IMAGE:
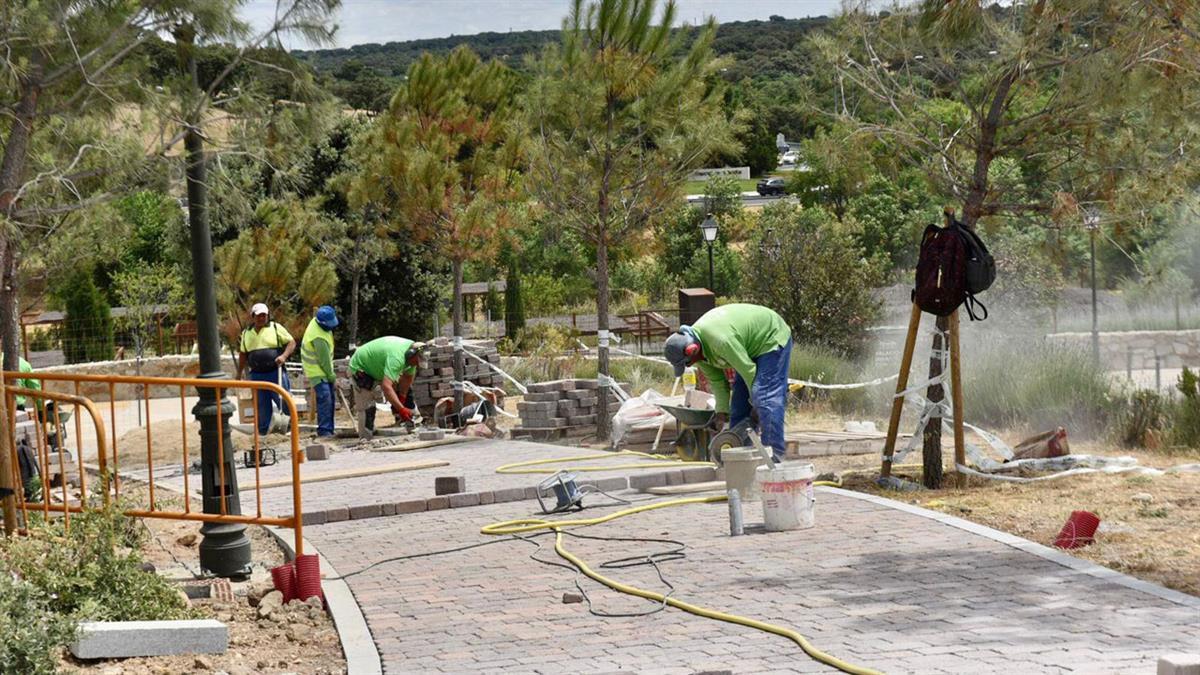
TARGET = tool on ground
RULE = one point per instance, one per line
(565, 491)
(266, 457)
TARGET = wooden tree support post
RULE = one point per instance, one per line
(956, 394)
(910, 343)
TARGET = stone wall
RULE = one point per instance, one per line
(184, 365)
(1138, 349)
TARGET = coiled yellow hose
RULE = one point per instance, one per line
(530, 524)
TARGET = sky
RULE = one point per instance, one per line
(363, 21)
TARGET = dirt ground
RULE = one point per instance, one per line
(296, 638)
(1150, 525)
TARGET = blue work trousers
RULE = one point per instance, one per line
(269, 400)
(324, 396)
(767, 396)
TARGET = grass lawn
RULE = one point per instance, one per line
(696, 187)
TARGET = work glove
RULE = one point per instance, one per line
(403, 414)
(717, 422)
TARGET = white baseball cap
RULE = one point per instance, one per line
(259, 308)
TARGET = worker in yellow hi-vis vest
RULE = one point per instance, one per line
(316, 353)
(265, 347)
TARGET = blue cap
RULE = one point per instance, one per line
(326, 317)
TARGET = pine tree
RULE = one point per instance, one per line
(622, 114)
(514, 304)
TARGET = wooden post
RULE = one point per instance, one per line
(956, 394)
(9, 476)
(931, 446)
(910, 343)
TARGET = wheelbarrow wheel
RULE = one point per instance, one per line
(688, 447)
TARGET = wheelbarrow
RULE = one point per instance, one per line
(696, 442)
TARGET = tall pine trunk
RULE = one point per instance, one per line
(355, 279)
(457, 317)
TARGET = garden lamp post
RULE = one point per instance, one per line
(709, 228)
(224, 547)
(1091, 221)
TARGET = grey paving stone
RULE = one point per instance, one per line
(124, 639)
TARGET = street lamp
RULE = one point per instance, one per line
(1091, 221)
(709, 228)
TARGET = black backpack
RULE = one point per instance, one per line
(941, 284)
(981, 269)
(952, 267)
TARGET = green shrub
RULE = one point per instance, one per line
(87, 321)
(93, 571)
(1141, 414)
(801, 264)
(1036, 385)
(32, 633)
(1185, 427)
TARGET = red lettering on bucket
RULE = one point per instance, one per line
(787, 486)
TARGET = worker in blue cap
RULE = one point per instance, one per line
(316, 354)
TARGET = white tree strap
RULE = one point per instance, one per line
(457, 341)
(475, 389)
(520, 387)
(850, 385)
(606, 381)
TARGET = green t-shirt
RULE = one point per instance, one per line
(732, 336)
(383, 358)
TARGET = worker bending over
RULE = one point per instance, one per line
(316, 354)
(757, 344)
(265, 347)
(391, 362)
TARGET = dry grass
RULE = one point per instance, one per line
(1158, 540)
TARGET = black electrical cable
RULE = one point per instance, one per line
(428, 554)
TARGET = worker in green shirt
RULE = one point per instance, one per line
(316, 354)
(28, 383)
(757, 344)
(390, 362)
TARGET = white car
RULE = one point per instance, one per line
(789, 157)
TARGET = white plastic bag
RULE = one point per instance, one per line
(637, 413)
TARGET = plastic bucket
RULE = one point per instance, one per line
(284, 578)
(1079, 530)
(308, 576)
(787, 497)
(740, 464)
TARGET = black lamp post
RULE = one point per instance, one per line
(709, 228)
(224, 547)
(1091, 221)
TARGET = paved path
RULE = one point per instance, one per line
(873, 584)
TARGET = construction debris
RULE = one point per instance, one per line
(1043, 446)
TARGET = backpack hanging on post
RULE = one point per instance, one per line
(981, 268)
(953, 265)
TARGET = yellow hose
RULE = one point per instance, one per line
(529, 524)
(660, 462)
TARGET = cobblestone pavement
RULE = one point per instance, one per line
(870, 584)
(475, 460)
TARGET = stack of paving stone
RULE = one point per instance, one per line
(561, 408)
(436, 380)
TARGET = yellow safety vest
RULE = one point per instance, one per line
(308, 352)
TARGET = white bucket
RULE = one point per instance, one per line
(740, 464)
(787, 496)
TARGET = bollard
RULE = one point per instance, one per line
(1157, 374)
(736, 528)
(1129, 364)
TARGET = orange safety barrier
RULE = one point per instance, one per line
(109, 458)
